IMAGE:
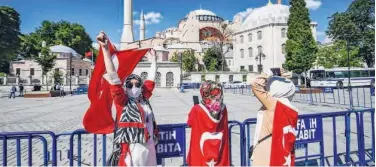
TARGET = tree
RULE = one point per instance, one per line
(336, 56)
(46, 60)
(301, 47)
(57, 76)
(222, 42)
(54, 33)
(356, 27)
(211, 59)
(9, 32)
(189, 60)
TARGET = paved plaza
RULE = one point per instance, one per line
(65, 115)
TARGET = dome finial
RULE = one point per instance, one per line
(270, 3)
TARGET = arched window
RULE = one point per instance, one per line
(250, 37)
(158, 79)
(283, 48)
(144, 76)
(169, 79)
(229, 62)
(259, 35)
(241, 53)
(283, 32)
(259, 49)
(241, 39)
(250, 52)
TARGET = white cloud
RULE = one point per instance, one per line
(151, 18)
(320, 33)
(135, 13)
(245, 13)
(313, 4)
(118, 30)
(326, 40)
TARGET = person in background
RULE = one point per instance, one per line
(13, 91)
(62, 90)
(21, 87)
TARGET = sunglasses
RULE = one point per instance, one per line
(129, 85)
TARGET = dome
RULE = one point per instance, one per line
(201, 12)
(271, 13)
(62, 49)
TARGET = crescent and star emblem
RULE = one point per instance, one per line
(286, 130)
(210, 136)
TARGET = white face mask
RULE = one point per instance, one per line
(134, 92)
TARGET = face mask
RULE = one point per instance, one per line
(213, 105)
(134, 92)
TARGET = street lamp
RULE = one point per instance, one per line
(258, 58)
(349, 77)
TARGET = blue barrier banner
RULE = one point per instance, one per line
(309, 130)
(171, 142)
(297, 89)
(328, 90)
(372, 91)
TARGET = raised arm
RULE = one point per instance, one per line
(153, 67)
(258, 88)
(116, 89)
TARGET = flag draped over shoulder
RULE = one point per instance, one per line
(98, 118)
(283, 139)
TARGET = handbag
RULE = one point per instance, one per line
(250, 153)
(113, 159)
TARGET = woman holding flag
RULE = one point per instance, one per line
(134, 127)
(274, 138)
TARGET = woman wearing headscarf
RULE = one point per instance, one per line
(136, 132)
(209, 122)
(274, 134)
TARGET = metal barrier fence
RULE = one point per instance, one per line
(363, 97)
(347, 139)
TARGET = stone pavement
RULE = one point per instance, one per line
(65, 115)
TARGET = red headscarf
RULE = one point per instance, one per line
(98, 118)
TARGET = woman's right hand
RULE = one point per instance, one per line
(102, 39)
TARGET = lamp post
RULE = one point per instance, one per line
(70, 73)
(181, 68)
(258, 58)
(349, 77)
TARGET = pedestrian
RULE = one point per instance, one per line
(209, 128)
(274, 138)
(13, 91)
(21, 87)
(62, 91)
(135, 129)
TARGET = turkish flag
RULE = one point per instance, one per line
(283, 139)
(209, 138)
(88, 54)
(98, 118)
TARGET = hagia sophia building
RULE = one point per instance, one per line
(258, 40)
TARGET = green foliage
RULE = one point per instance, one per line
(9, 32)
(301, 47)
(2, 74)
(54, 33)
(357, 27)
(46, 60)
(212, 59)
(189, 60)
(58, 76)
(336, 56)
(175, 58)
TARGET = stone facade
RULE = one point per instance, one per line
(227, 77)
(30, 70)
(168, 73)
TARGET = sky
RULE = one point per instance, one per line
(107, 15)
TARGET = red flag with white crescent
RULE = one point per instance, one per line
(284, 136)
(209, 138)
(98, 118)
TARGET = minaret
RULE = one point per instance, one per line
(142, 26)
(127, 35)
